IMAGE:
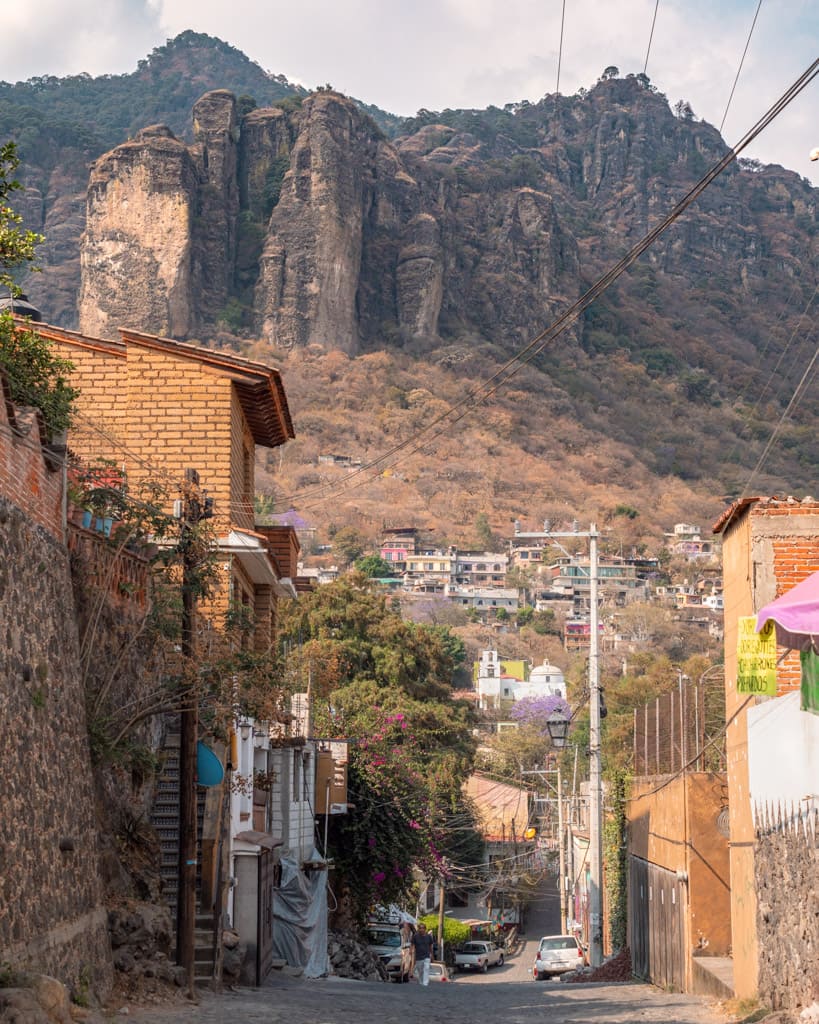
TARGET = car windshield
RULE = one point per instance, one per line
(383, 937)
(475, 947)
(559, 942)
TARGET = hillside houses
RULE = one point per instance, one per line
(535, 574)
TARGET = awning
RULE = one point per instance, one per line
(795, 615)
(251, 550)
(259, 838)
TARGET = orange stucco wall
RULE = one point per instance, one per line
(767, 548)
(672, 823)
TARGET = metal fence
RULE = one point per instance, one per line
(682, 730)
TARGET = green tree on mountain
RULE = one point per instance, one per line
(16, 244)
(36, 377)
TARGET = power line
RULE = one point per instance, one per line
(774, 371)
(560, 51)
(798, 393)
(739, 69)
(478, 394)
(651, 35)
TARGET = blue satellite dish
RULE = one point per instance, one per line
(209, 770)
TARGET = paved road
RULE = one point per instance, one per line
(285, 1000)
(505, 995)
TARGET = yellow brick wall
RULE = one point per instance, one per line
(158, 415)
(100, 374)
(179, 419)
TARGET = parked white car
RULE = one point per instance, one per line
(438, 972)
(557, 954)
(478, 956)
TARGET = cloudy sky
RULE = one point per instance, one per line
(406, 54)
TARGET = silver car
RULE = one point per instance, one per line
(557, 954)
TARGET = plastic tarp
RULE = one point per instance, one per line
(300, 919)
(795, 615)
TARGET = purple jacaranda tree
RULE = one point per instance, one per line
(535, 711)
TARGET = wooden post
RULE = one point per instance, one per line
(189, 729)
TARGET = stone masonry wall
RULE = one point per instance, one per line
(28, 474)
(52, 917)
(787, 866)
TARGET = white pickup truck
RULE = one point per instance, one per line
(478, 956)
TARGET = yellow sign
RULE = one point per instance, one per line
(756, 658)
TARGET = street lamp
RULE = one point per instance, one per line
(595, 779)
(558, 726)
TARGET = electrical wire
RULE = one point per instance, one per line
(651, 34)
(774, 373)
(560, 51)
(798, 394)
(739, 69)
(479, 394)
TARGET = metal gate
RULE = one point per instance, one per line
(656, 925)
(264, 939)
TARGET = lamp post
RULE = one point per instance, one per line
(595, 785)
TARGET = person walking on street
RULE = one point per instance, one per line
(422, 944)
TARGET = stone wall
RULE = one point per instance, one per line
(52, 917)
(30, 473)
(787, 869)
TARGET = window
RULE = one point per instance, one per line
(247, 478)
(305, 777)
(296, 766)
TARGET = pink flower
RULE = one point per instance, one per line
(414, 824)
(379, 877)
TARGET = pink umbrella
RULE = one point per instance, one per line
(795, 615)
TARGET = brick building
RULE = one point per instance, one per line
(768, 546)
(159, 408)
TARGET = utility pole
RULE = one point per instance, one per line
(441, 903)
(190, 514)
(595, 781)
(561, 839)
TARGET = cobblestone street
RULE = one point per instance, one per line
(465, 1001)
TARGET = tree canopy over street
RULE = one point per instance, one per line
(385, 685)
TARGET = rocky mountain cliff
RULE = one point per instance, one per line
(455, 241)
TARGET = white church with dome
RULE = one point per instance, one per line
(506, 680)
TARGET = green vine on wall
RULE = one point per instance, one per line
(615, 858)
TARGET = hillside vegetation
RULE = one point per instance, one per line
(476, 229)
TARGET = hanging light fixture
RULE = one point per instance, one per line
(558, 726)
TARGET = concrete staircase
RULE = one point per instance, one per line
(204, 951)
(165, 820)
(713, 976)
